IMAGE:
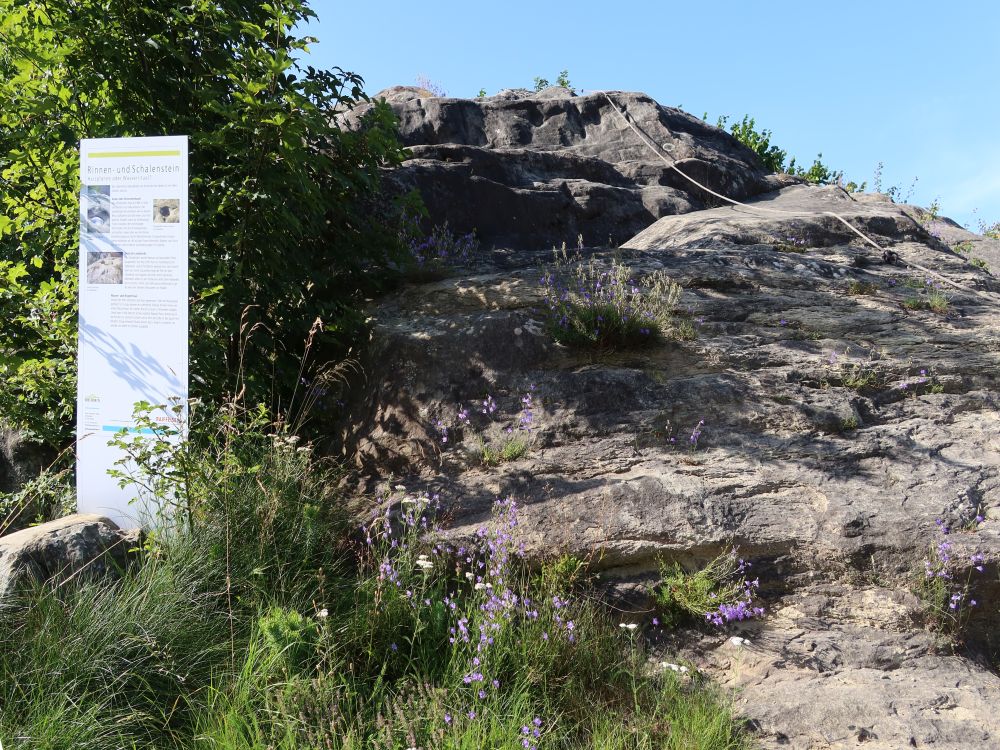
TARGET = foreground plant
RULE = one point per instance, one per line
(497, 439)
(719, 593)
(946, 586)
(265, 620)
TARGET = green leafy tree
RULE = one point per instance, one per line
(286, 219)
(772, 157)
(561, 80)
(758, 141)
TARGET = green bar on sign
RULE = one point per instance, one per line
(115, 154)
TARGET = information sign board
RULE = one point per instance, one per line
(133, 324)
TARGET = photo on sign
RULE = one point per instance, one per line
(97, 208)
(166, 211)
(105, 268)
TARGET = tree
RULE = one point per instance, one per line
(772, 157)
(285, 208)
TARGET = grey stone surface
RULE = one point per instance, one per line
(77, 545)
(528, 169)
(840, 423)
(21, 460)
(838, 667)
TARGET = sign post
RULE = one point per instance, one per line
(133, 305)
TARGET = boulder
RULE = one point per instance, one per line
(535, 169)
(77, 545)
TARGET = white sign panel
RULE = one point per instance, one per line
(133, 304)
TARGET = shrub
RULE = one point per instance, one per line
(290, 639)
(773, 158)
(285, 220)
(718, 593)
(596, 306)
(50, 495)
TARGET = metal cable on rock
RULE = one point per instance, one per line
(764, 209)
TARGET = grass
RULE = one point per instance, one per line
(929, 296)
(509, 448)
(849, 424)
(859, 288)
(865, 377)
(267, 619)
(603, 307)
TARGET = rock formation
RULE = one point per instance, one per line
(77, 545)
(547, 168)
(843, 415)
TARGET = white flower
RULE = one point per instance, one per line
(323, 613)
(479, 586)
(400, 488)
(469, 576)
(739, 642)
(630, 626)
(425, 564)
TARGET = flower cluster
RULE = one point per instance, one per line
(740, 607)
(696, 434)
(441, 248)
(920, 380)
(793, 244)
(498, 439)
(948, 578)
(593, 305)
(492, 611)
(478, 584)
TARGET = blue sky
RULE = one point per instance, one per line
(912, 85)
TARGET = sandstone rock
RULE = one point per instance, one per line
(21, 460)
(527, 169)
(76, 545)
(837, 668)
(841, 419)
